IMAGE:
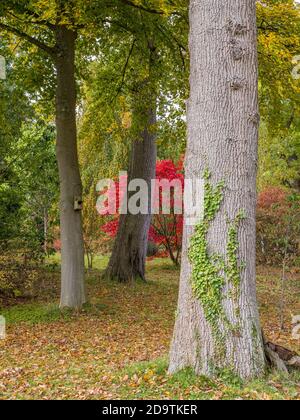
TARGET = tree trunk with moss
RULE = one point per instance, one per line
(217, 323)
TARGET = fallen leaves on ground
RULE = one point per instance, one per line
(87, 356)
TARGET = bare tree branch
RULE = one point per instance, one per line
(33, 15)
(50, 50)
(124, 71)
(151, 10)
(143, 8)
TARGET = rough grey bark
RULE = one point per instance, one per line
(129, 254)
(72, 245)
(223, 122)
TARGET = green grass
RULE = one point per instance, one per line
(39, 313)
(100, 261)
(150, 380)
(35, 313)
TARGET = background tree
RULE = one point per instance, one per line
(130, 248)
(129, 253)
(34, 180)
(52, 30)
(14, 108)
(278, 43)
(151, 58)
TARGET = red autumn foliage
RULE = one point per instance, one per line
(166, 229)
(271, 197)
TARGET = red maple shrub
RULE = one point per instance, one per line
(166, 229)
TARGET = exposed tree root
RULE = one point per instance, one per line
(281, 359)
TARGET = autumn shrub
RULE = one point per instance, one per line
(165, 234)
(18, 278)
(278, 227)
(166, 229)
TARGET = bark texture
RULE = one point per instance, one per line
(72, 245)
(129, 254)
(223, 122)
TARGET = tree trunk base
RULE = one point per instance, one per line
(282, 359)
(116, 273)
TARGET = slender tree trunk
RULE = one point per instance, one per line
(72, 281)
(217, 325)
(130, 249)
(45, 232)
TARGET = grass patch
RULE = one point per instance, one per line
(38, 313)
(35, 313)
(99, 263)
(151, 381)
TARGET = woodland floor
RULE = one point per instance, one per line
(117, 348)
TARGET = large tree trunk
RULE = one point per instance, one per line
(72, 276)
(128, 258)
(217, 324)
